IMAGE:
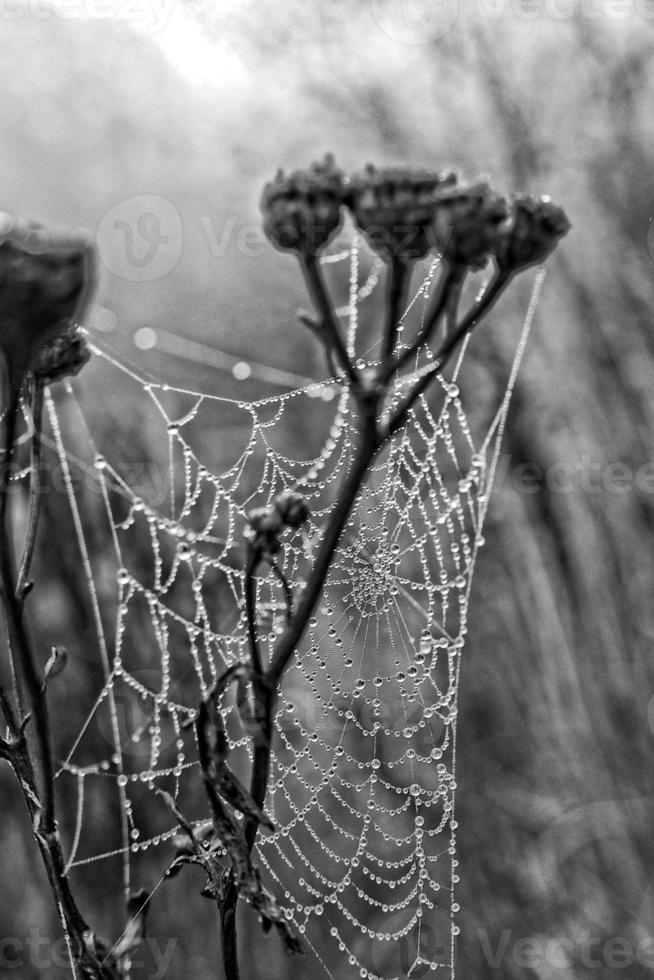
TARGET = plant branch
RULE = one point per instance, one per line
(19, 644)
(265, 687)
(77, 934)
(8, 712)
(38, 799)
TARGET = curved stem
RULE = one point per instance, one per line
(288, 595)
(329, 327)
(39, 799)
(399, 275)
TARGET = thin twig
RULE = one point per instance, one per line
(398, 276)
(36, 481)
(38, 799)
(286, 587)
(493, 291)
(452, 309)
(251, 609)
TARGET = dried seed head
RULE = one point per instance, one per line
(265, 527)
(534, 231)
(265, 520)
(302, 211)
(62, 357)
(466, 223)
(45, 280)
(394, 207)
(292, 508)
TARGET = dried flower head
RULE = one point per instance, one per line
(302, 211)
(466, 223)
(394, 208)
(292, 508)
(62, 357)
(45, 281)
(535, 228)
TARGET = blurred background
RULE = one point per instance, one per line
(183, 112)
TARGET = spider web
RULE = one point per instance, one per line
(363, 781)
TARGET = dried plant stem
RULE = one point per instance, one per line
(36, 480)
(396, 292)
(38, 790)
(19, 645)
(289, 639)
(329, 329)
(250, 611)
(448, 283)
